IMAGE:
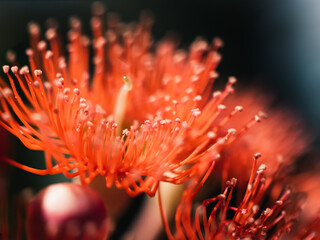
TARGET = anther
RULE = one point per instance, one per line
(194, 79)
(163, 122)
(50, 33)
(197, 98)
(244, 211)
(196, 112)
(126, 132)
(221, 197)
(89, 124)
(36, 117)
(213, 74)
(216, 94)
(211, 135)
(74, 81)
(257, 156)
(75, 23)
(48, 55)
(6, 116)
(184, 124)
(267, 211)
(85, 41)
(262, 167)
(255, 208)
(222, 141)
(7, 92)
(217, 42)
(5, 68)
(232, 131)
(36, 84)
(262, 114)
(48, 86)
(24, 70)
(76, 91)
(62, 62)
(42, 45)
(37, 73)
(221, 107)
(232, 80)
(33, 28)
(189, 90)
(233, 182)
(29, 52)
(66, 91)
(239, 108)
(14, 69)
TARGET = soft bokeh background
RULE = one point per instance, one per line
(272, 44)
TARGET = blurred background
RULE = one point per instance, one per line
(272, 44)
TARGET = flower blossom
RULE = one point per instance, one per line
(141, 117)
(217, 218)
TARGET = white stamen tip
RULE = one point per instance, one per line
(37, 72)
(5, 68)
(14, 69)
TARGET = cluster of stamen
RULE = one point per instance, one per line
(246, 220)
(161, 124)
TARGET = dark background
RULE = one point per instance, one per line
(273, 44)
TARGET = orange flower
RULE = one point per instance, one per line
(247, 220)
(142, 117)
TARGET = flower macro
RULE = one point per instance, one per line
(216, 218)
(141, 113)
(141, 117)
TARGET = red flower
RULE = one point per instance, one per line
(216, 218)
(141, 118)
